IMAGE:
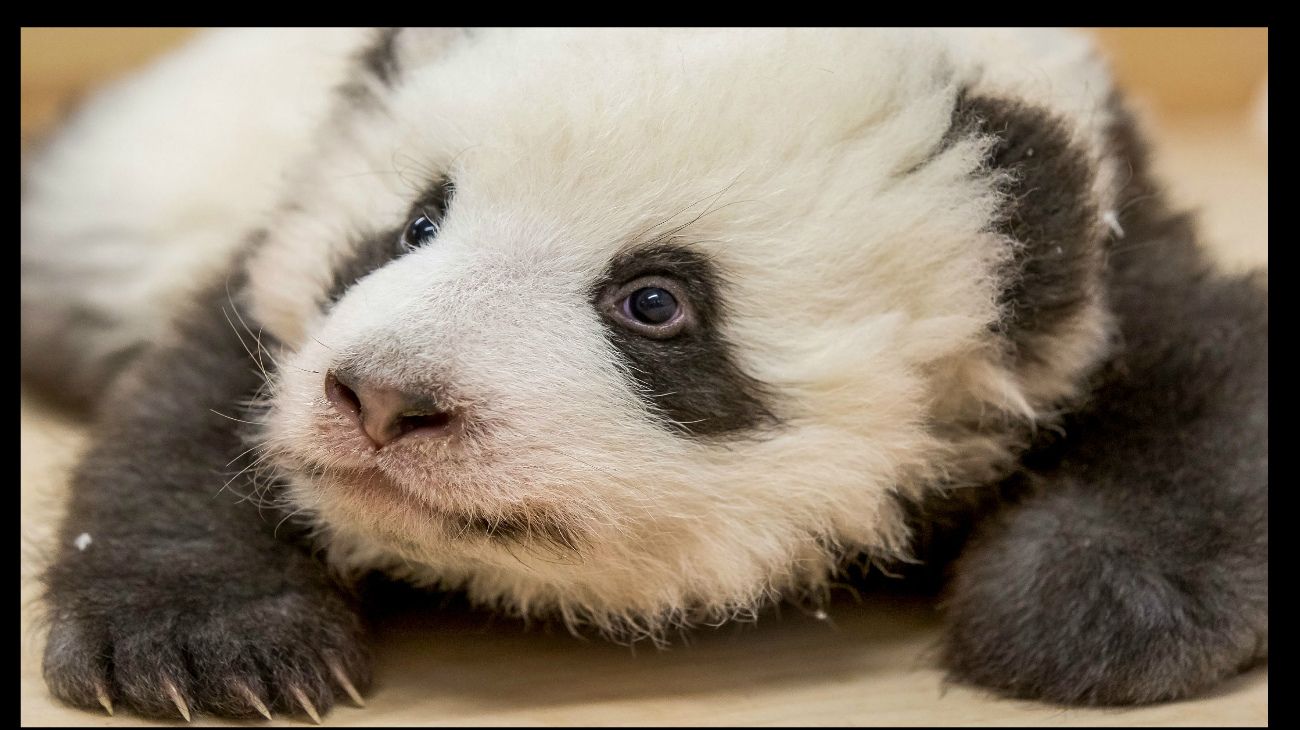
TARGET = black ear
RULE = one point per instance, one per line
(394, 49)
(391, 52)
(1051, 213)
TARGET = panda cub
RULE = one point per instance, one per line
(637, 330)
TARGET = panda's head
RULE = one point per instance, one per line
(645, 327)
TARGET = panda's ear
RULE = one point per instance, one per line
(393, 50)
(1051, 217)
(389, 55)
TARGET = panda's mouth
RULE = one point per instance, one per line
(519, 529)
(527, 524)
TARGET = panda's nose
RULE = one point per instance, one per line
(384, 413)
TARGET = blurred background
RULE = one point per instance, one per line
(1203, 92)
(1178, 70)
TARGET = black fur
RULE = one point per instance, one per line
(185, 581)
(380, 58)
(1135, 568)
(66, 376)
(1056, 268)
(55, 359)
(369, 253)
(373, 251)
(377, 61)
(1050, 214)
(691, 382)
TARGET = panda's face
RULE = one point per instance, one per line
(633, 327)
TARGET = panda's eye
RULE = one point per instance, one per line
(426, 215)
(419, 231)
(654, 306)
(651, 305)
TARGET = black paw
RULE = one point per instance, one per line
(1058, 601)
(295, 652)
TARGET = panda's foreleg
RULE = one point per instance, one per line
(1137, 569)
(1070, 598)
(171, 591)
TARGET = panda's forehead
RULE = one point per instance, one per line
(639, 122)
(566, 155)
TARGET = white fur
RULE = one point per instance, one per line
(165, 171)
(861, 284)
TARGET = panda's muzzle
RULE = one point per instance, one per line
(385, 414)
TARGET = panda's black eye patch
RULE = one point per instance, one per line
(374, 249)
(663, 310)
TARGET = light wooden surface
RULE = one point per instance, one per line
(871, 664)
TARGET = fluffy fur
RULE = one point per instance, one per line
(900, 250)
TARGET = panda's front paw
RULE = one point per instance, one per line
(1060, 600)
(293, 652)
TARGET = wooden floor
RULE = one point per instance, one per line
(871, 663)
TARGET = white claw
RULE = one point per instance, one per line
(102, 695)
(346, 684)
(1112, 221)
(255, 701)
(180, 701)
(306, 704)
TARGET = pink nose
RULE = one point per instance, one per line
(385, 414)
